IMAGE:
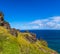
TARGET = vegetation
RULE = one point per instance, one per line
(20, 45)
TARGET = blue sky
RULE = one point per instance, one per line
(32, 14)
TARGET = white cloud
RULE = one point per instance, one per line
(48, 23)
(56, 19)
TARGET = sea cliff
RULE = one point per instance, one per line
(12, 41)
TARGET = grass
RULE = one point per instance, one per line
(20, 45)
(8, 46)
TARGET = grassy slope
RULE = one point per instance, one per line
(8, 44)
(20, 45)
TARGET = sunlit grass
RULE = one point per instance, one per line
(20, 45)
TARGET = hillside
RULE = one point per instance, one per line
(12, 41)
(20, 45)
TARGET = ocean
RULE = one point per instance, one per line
(51, 36)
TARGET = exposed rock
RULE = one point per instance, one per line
(1, 19)
(13, 31)
(31, 38)
(3, 22)
(6, 25)
(33, 35)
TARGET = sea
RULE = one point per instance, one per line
(51, 36)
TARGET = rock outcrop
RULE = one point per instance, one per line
(31, 38)
(6, 25)
(14, 31)
(3, 22)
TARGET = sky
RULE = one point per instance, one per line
(32, 14)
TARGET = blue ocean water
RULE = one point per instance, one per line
(51, 36)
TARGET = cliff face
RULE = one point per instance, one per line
(12, 41)
(3, 22)
(6, 25)
(13, 31)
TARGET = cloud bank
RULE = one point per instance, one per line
(48, 23)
